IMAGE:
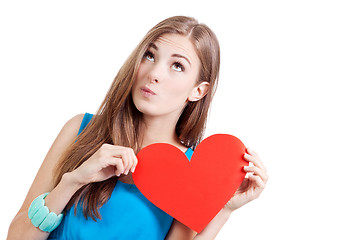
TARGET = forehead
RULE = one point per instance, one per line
(177, 44)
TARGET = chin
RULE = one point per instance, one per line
(145, 107)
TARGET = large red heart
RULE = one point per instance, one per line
(191, 192)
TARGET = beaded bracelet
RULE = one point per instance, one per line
(40, 215)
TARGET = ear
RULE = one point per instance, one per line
(198, 92)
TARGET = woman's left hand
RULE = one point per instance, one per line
(252, 186)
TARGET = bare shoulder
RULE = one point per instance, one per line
(73, 124)
(43, 181)
(67, 134)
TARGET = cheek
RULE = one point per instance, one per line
(179, 89)
(140, 73)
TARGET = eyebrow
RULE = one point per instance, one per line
(152, 45)
(181, 56)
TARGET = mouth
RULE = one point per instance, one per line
(146, 91)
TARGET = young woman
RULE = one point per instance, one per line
(161, 94)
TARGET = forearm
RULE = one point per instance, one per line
(22, 228)
(62, 193)
(213, 228)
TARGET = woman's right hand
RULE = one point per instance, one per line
(108, 161)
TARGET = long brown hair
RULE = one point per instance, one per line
(117, 121)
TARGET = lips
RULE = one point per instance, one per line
(147, 90)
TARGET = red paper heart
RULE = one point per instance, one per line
(191, 192)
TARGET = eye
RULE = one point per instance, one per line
(177, 66)
(149, 56)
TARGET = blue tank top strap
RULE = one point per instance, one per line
(86, 119)
(189, 152)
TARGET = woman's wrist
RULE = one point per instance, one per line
(72, 180)
(226, 212)
(62, 193)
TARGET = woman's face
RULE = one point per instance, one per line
(167, 77)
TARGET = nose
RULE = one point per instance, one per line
(154, 75)
(154, 80)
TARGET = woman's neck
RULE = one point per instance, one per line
(160, 130)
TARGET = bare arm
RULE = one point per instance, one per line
(108, 161)
(21, 227)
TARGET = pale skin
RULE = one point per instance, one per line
(169, 69)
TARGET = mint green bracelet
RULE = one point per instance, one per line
(40, 215)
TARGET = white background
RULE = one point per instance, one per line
(288, 89)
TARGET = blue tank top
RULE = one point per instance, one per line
(126, 215)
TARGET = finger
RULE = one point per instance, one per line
(252, 152)
(258, 181)
(132, 161)
(118, 163)
(255, 160)
(135, 162)
(127, 154)
(126, 161)
(256, 171)
(117, 151)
